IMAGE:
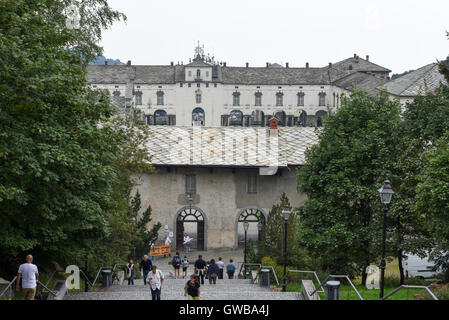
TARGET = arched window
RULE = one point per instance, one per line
(198, 118)
(301, 99)
(236, 99)
(280, 115)
(320, 117)
(322, 99)
(279, 99)
(198, 96)
(138, 98)
(257, 118)
(160, 98)
(236, 118)
(160, 118)
(198, 73)
(258, 102)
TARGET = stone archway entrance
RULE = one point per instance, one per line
(191, 220)
(253, 215)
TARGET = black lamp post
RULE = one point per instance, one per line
(386, 193)
(286, 213)
(245, 227)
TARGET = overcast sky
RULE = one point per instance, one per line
(398, 34)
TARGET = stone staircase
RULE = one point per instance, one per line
(173, 289)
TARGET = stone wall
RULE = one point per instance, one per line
(221, 195)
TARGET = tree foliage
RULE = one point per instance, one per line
(66, 160)
(340, 220)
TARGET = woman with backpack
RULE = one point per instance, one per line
(212, 272)
(176, 262)
(131, 272)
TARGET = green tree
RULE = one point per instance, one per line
(433, 200)
(272, 239)
(144, 236)
(340, 220)
(66, 160)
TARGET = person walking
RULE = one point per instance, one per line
(168, 243)
(230, 269)
(131, 272)
(192, 288)
(212, 272)
(200, 268)
(145, 267)
(185, 265)
(221, 266)
(155, 281)
(29, 275)
(176, 262)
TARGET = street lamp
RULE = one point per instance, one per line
(386, 193)
(245, 227)
(286, 214)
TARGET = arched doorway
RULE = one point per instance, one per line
(193, 221)
(253, 215)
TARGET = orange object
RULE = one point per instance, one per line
(274, 123)
(160, 250)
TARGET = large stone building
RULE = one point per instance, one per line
(218, 162)
(207, 93)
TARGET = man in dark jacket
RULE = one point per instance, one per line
(145, 267)
(212, 272)
(200, 268)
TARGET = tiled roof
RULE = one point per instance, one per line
(227, 146)
(198, 63)
(232, 75)
(273, 76)
(426, 78)
(360, 80)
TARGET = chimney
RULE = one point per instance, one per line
(307, 65)
(367, 57)
(172, 63)
(330, 64)
(247, 64)
(268, 64)
(286, 64)
(106, 62)
(128, 63)
(224, 64)
(355, 55)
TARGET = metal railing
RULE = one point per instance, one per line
(310, 272)
(407, 288)
(8, 286)
(242, 264)
(274, 272)
(339, 277)
(98, 273)
(45, 286)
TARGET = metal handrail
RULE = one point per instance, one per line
(339, 276)
(98, 273)
(312, 272)
(248, 264)
(434, 297)
(86, 278)
(45, 287)
(8, 286)
(51, 277)
(274, 272)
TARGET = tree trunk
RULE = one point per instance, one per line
(401, 268)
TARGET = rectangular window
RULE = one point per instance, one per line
(207, 74)
(191, 184)
(252, 184)
(236, 100)
(180, 85)
(322, 99)
(172, 120)
(258, 102)
(138, 99)
(224, 120)
(300, 99)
